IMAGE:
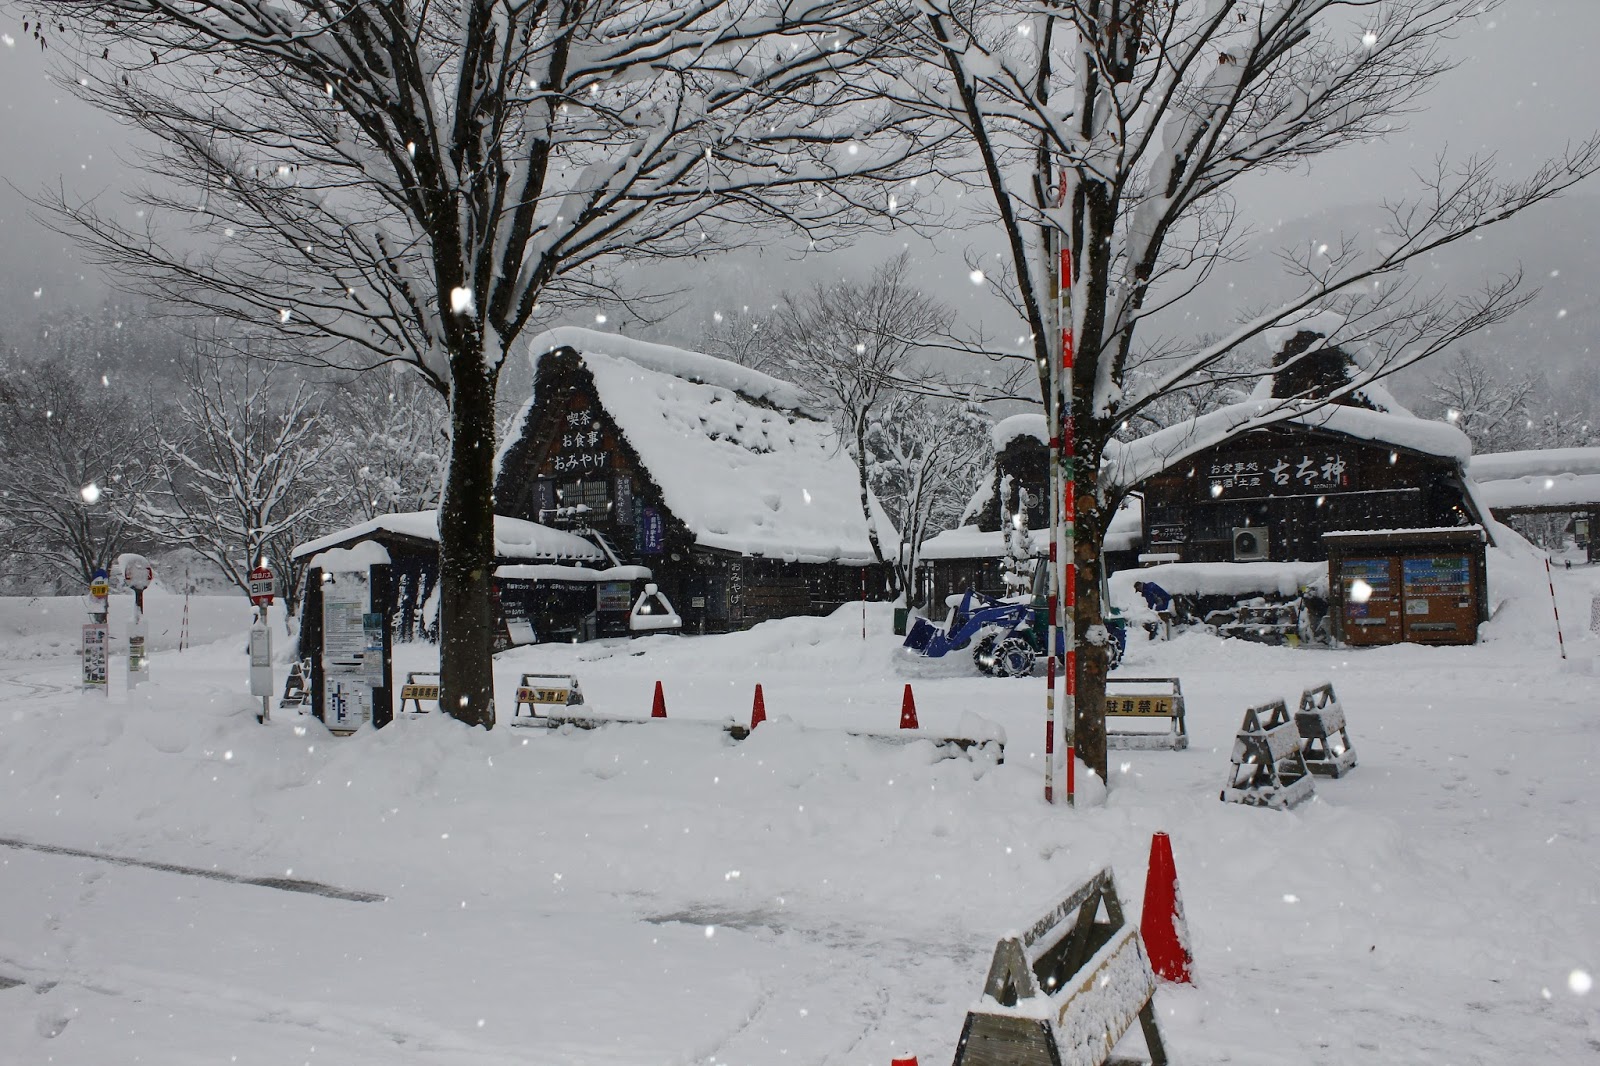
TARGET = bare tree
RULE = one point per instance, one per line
(926, 454)
(412, 182)
(76, 453)
(244, 474)
(388, 445)
(1490, 407)
(1118, 128)
(850, 345)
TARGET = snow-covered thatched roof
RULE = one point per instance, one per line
(513, 538)
(1127, 464)
(737, 455)
(1029, 424)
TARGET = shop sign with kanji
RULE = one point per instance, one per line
(1296, 472)
(581, 449)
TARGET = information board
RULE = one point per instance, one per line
(95, 645)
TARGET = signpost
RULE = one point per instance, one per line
(261, 592)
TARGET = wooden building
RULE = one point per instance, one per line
(557, 609)
(972, 556)
(1270, 494)
(740, 499)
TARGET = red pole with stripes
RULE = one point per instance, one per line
(1560, 642)
(1063, 576)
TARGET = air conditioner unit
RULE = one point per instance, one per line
(1249, 544)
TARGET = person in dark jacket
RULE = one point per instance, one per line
(1158, 598)
(1159, 601)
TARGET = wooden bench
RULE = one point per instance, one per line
(546, 690)
(1324, 738)
(1066, 989)
(1268, 769)
(1163, 699)
(415, 691)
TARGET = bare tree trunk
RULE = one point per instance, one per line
(1089, 708)
(466, 546)
(866, 496)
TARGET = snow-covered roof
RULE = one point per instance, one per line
(1127, 464)
(1222, 579)
(970, 542)
(1561, 490)
(773, 481)
(513, 537)
(677, 363)
(1538, 462)
(1029, 424)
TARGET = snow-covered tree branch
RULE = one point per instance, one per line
(1122, 128)
(419, 183)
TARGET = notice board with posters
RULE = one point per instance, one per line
(1424, 586)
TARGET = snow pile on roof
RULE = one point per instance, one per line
(742, 477)
(513, 537)
(676, 362)
(1127, 464)
(1560, 490)
(1222, 579)
(1029, 424)
(1538, 462)
(970, 542)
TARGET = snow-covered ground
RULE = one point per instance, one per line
(661, 894)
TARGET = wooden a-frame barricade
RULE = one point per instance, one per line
(1324, 737)
(1065, 990)
(1268, 769)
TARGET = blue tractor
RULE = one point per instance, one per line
(1006, 637)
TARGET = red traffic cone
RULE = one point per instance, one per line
(658, 706)
(758, 712)
(908, 711)
(903, 1060)
(1166, 933)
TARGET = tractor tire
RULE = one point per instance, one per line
(1013, 658)
(983, 656)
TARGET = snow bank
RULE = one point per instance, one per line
(1221, 579)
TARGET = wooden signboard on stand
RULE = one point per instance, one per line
(1066, 989)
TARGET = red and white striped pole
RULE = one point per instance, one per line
(1562, 644)
(1063, 580)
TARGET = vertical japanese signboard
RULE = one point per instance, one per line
(95, 642)
(344, 651)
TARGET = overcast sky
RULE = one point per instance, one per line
(1528, 83)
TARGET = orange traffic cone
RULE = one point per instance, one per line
(903, 1060)
(658, 706)
(1166, 933)
(758, 712)
(908, 711)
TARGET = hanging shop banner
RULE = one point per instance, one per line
(652, 532)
